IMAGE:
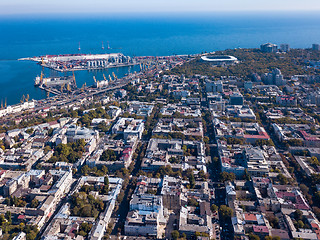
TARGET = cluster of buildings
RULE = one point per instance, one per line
(255, 128)
(160, 205)
(64, 225)
(45, 189)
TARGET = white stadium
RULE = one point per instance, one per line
(219, 59)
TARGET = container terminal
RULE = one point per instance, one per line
(75, 62)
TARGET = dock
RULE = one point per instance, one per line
(78, 62)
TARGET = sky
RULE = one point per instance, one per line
(12, 7)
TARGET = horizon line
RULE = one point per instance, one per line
(146, 13)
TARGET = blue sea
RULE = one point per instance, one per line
(144, 34)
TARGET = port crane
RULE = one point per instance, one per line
(83, 87)
(68, 87)
(110, 78)
(114, 76)
(24, 98)
(74, 79)
(41, 77)
(104, 77)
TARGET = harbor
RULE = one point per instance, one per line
(78, 62)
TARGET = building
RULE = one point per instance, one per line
(284, 47)
(20, 236)
(146, 214)
(274, 78)
(129, 127)
(316, 46)
(121, 93)
(285, 100)
(269, 48)
(75, 133)
(140, 109)
(256, 163)
(172, 193)
(214, 86)
(236, 99)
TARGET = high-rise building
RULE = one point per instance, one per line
(269, 48)
(284, 47)
(316, 46)
(275, 77)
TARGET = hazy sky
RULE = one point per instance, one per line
(107, 6)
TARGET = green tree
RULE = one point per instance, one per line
(282, 179)
(34, 203)
(214, 208)
(253, 237)
(175, 234)
(8, 216)
(298, 215)
(225, 176)
(225, 212)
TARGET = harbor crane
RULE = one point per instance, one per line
(24, 98)
(114, 76)
(83, 87)
(74, 79)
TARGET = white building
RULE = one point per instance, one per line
(129, 127)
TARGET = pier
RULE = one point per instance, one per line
(78, 62)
